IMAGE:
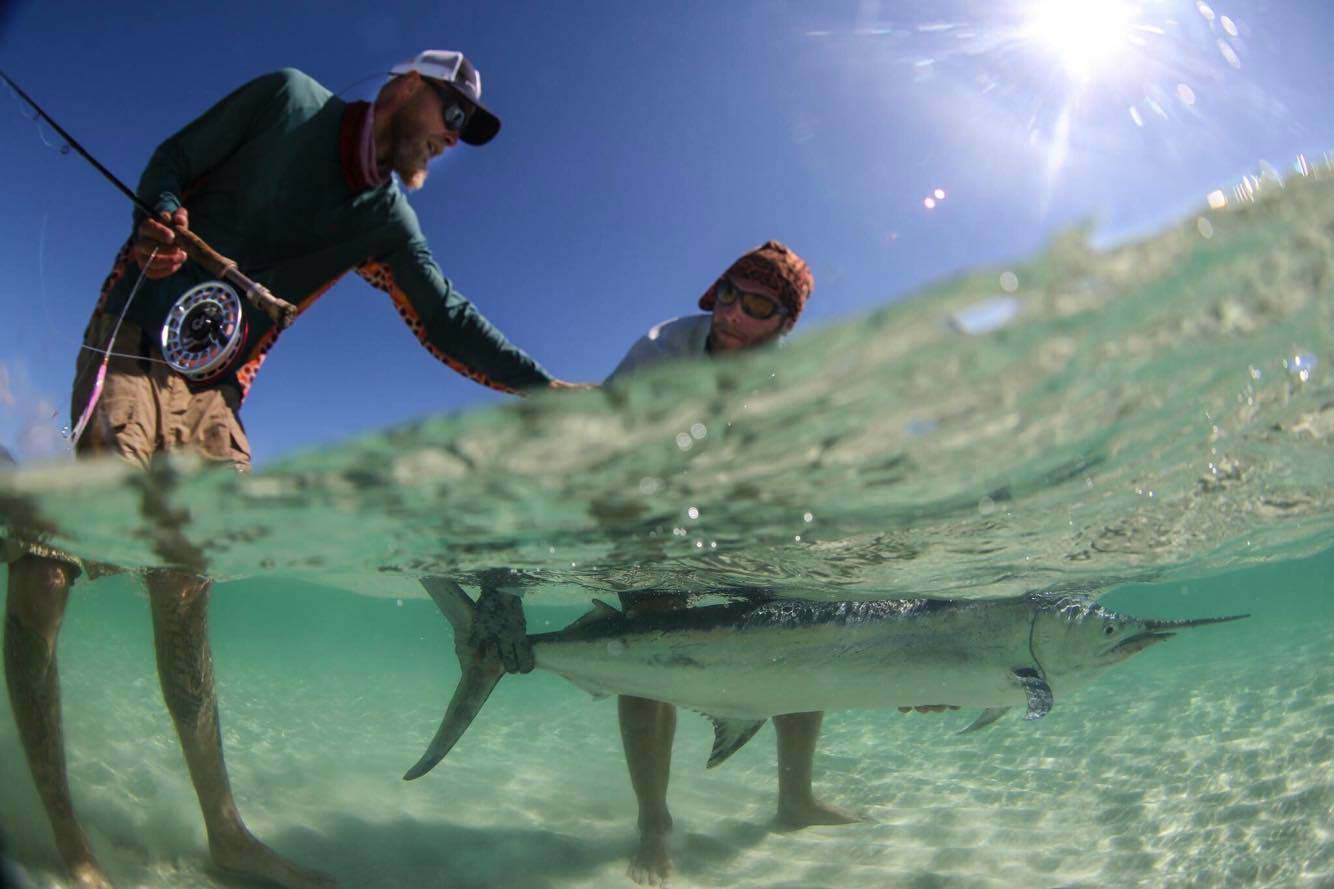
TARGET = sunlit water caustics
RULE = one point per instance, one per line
(1150, 423)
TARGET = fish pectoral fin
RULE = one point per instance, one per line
(729, 736)
(988, 716)
(1039, 692)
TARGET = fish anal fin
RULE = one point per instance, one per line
(729, 736)
(987, 717)
(1038, 691)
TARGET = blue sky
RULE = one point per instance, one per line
(644, 146)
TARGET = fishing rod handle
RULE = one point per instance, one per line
(281, 311)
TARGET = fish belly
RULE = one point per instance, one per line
(736, 681)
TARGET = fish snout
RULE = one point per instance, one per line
(1156, 631)
(1191, 622)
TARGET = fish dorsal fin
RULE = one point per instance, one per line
(729, 736)
(988, 716)
(1039, 692)
(599, 612)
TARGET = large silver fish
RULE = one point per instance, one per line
(741, 663)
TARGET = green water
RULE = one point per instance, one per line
(1153, 426)
(1207, 761)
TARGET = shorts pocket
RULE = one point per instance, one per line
(223, 441)
(240, 448)
(118, 427)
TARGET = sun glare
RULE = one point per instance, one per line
(1083, 36)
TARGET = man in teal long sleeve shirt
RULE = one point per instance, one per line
(297, 187)
(265, 176)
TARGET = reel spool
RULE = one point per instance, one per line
(204, 331)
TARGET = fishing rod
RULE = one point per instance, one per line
(280, 311)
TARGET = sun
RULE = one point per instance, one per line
(1083, 35)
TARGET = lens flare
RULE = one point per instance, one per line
(1084, 37)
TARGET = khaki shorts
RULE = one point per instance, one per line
(145, 409)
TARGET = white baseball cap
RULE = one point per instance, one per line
(448, 67)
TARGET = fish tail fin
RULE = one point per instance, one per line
(479, 678)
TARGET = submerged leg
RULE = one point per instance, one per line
(185, 669)
(34, 610)
(647, 730)
(797, 805)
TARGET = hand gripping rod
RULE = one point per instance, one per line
(282, 312)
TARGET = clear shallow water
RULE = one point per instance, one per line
(1205, 761)
(1155, 421)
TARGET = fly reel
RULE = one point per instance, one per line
(204, 331)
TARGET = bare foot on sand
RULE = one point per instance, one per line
(247, 856)
(794, 816)
(651, 865)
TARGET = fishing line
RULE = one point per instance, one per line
(41, 272)
(29, 111)
(280, 312)
(41, 276)
(72, 435)
(62, 148)
(87, 414)
(150, 359)
(206, 326)
(36, 118)
(46, 307)
(41, 281)
(358, 83)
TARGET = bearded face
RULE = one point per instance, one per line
(416, 134)
(410, 152)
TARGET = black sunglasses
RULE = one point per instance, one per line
(756, 305)
(456, 111)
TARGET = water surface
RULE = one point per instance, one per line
(1151, 424)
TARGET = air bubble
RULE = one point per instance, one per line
(1301, 366)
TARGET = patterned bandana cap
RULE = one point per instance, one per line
(771, 269)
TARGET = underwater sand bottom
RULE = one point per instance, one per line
(1200, 765)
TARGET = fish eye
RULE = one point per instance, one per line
(1109, 629)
